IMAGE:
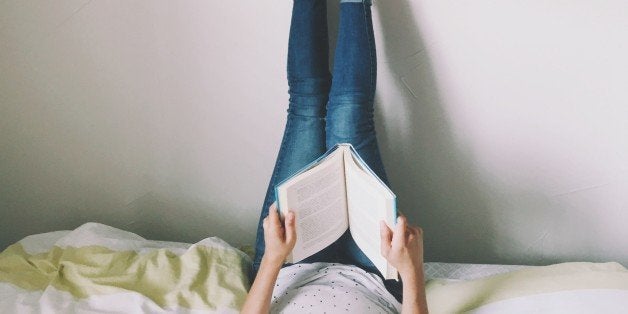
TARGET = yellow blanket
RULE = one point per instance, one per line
(100, 268)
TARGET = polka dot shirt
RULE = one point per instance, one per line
(330, 288)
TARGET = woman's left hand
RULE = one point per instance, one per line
(279, 237)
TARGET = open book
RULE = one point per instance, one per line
(336, 192)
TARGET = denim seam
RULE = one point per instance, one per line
(370, 38)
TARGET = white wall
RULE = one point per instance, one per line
(502, 123)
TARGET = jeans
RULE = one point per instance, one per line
(323, 111)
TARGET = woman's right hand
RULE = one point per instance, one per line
(403, 247)
(279, 236)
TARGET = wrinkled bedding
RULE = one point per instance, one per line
(98, 268)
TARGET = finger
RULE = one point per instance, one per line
(265, 223)
(386, 238)
(291, 232)
(399, 235)
(385, 232)
(273, 216)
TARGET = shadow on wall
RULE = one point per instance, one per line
(433, 178)
(465, 217)
(180, 218)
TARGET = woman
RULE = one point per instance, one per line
(321, 113)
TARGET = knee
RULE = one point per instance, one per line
(311, 86)
(361, 99)
(308, 97)
(349, 123)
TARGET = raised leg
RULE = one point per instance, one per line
(350, 108)
(309, 82)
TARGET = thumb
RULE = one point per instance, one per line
(291, 232)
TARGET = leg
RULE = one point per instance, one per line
(350, 108)
(309, 82)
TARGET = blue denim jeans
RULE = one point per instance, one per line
(323, 111)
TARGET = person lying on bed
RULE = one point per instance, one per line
(321, 113)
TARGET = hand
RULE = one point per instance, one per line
(403, 248)
(278, 238)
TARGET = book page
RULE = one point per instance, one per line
(368, 203)
(318, 199)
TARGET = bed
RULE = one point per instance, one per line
(98, 268)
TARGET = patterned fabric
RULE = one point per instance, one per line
(330, 288)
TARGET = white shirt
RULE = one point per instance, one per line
(330, 288)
